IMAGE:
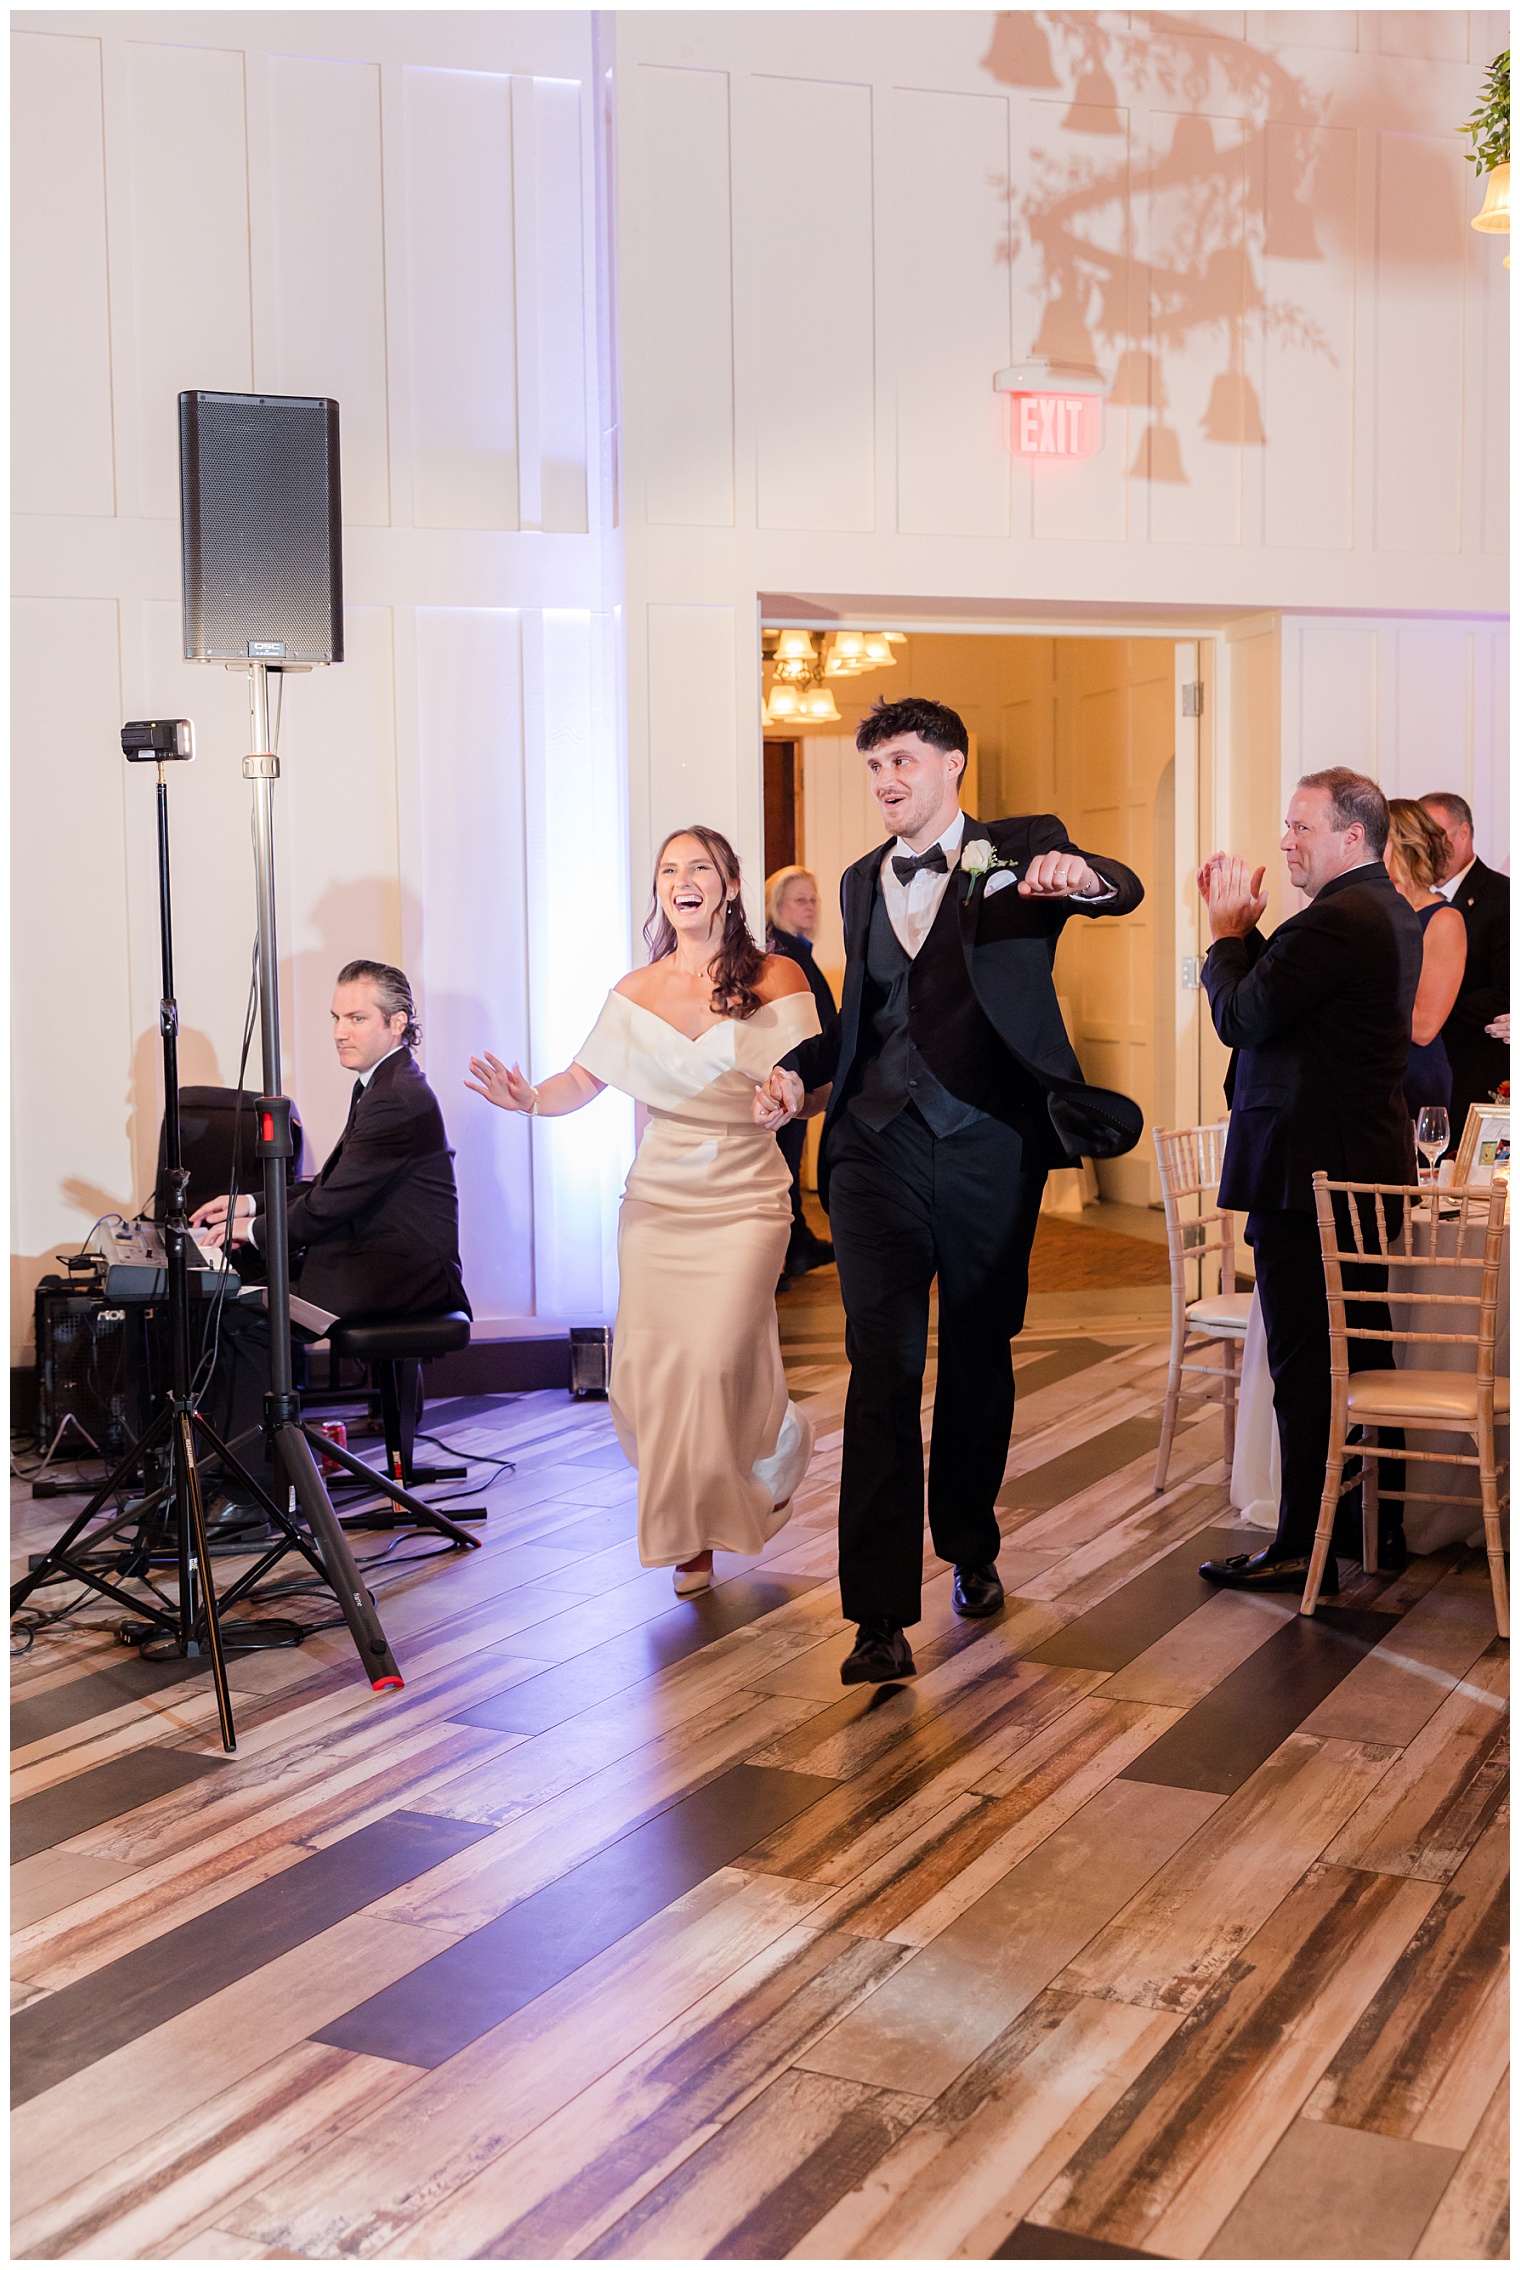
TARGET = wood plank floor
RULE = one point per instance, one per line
(1149, 1922)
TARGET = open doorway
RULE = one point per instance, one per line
(1103, 730)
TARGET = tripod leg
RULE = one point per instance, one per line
(194, 1548)
(57, 1556)
(419, 1508)
(294, 1454)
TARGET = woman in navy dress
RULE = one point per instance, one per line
(1415, 857)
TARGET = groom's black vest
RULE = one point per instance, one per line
(925, 1038)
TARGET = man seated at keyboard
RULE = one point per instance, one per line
(377, 1232)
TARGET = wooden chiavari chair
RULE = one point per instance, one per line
(1190, 1160)
(1458, 1229)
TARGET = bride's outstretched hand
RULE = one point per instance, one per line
(502, 1084)
(779, 1100)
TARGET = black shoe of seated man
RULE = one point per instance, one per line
(881, 1654)
(805, 1253)
(977, 1591)
(1268, 1571)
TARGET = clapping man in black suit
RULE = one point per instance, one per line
(949, 1073)
(1477, 1031)
(1319, 1017)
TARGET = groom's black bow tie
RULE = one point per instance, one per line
(930, 862)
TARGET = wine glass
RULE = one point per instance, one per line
(1432, 1133)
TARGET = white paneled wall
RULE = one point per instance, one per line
(1255, 226)
(396, 210)
(1418, 705)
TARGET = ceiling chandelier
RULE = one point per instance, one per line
(802, 666)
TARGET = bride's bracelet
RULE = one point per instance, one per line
(532, 1111)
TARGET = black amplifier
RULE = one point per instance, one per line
(82, 1368)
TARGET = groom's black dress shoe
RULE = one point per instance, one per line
(1268, 1572)
(977, 1591)
(881, 1653)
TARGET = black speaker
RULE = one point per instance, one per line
(260, 528)
(81, 1368)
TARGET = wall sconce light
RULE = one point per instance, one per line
(1493, 218)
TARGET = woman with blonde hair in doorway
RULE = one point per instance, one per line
(791, 922)
(698, 1392)
(1416, 859)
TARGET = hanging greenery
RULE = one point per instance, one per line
(1488, 127)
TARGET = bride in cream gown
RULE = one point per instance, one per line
(697, 1391)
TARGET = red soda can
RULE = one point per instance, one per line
(337, 1432)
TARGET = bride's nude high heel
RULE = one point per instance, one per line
(693, 1576)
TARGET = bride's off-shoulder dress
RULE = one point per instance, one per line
(697, 1391)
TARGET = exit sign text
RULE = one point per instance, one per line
(1055, 425)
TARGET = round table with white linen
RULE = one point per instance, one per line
(1256, 1474)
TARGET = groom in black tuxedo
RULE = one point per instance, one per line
(936, 1146)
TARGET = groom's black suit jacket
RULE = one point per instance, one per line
(995, 997)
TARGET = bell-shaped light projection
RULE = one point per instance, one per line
(1233, 414)
(1159, 457)
(1192, 152)
(1096, 93)
(879, 651)
(819, 707)
(784, 706)
(1493, 220)
(796, 646)
(1020, 52)
(849, 646)
(1138, 383)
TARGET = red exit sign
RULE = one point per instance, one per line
(1055, 425)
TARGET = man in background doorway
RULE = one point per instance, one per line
(1319, 1018)
(791, 921)
(1476, 1032)
(936, 1146)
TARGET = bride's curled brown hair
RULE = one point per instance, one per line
(738, 961)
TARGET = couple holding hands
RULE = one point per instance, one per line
(951, 1089)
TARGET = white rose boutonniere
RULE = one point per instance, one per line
(979, 860)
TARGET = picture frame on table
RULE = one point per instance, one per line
(1484, 1145)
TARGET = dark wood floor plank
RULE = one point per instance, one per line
(1029, 2243)
(1129, 1620)
(71, 2029)
(71, 1807)
(1058, 1360)
(77, 1701)
(1040, 1488)
(462, 1994)
(1221, 1741)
